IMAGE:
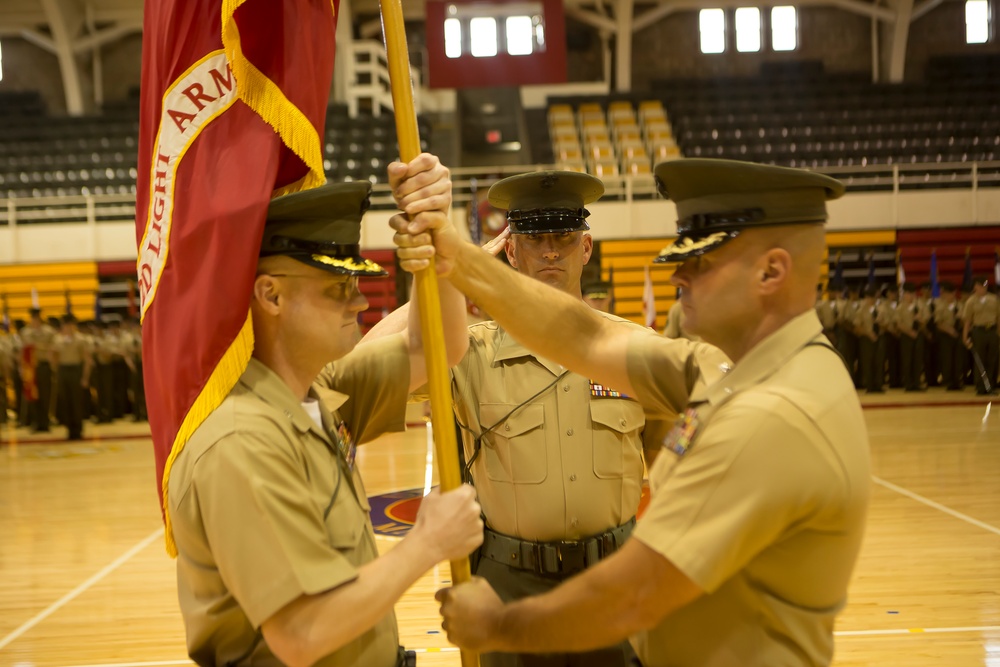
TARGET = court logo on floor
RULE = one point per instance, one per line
(393, 514)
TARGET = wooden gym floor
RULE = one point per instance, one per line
(85, 580)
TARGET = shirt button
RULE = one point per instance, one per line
(728, 390)
(623, 422)
(574, 522)
(565, 387)
(506, 427)
(572, 478)
(725, 368)
(569, 431)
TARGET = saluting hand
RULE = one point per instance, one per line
(471, 615)
(497, 244)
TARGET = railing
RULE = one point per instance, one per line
(95, 209)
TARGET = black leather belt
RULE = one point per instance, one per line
(566, 557)
(987, 327)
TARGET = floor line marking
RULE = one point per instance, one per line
(938, 506)
(915, 631)
(69, 597)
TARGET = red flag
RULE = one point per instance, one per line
(234, 98)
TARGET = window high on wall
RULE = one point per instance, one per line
(712, 25)
(485, 31)
(784, 29)
(453, 38)
(747, 29)
(977, 21)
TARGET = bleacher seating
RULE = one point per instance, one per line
(608, 138)
(838, 121)
(42, 155)
(805, 118)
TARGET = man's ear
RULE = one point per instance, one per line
(266, 294)
(509, 249)
(588, 247)
(776, 269)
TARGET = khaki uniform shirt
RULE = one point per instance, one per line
(847, 313)
(71, 350)
(982, 311)
(947, 317)
(909, 318)
(866, 318)
(104, 348)
(565, 465)
(267, 506)
(759, 498)
(827, 312)
(41, 339)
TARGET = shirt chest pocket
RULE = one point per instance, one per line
(617, 445)
(344, 515)
(514, 451)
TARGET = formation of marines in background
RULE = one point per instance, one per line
(911, 340)
(57, 370)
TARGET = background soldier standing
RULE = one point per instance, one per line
(73, 358)
(948, 325)
(909, 320)
(981, 316)
(38, 336)
(869, 325)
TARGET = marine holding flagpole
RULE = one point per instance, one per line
(248, 276)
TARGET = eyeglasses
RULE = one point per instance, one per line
(345, 288)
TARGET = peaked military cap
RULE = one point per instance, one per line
(717, 199)
(599, 289)
(321, 227)
(546, 202)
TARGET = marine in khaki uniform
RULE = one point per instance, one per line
(38, 336)
(73, 360)
(826, 311)
(870, 327)
(981, 317)
(911, 319)
(760, 494)
(599, 295)
(133, 358)
(277, 560)
(948, 326)
(104, 348)
(555, 458)
(848, 342)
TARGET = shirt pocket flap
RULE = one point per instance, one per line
(618, 414)
(523, 419)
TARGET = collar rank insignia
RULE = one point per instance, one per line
(683, 433)
(600, 391)
(345, 441)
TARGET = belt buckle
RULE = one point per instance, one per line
(572, 556)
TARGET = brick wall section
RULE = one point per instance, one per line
(942, 32)
(27, 67)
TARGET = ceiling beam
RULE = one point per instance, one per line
(105, 36)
